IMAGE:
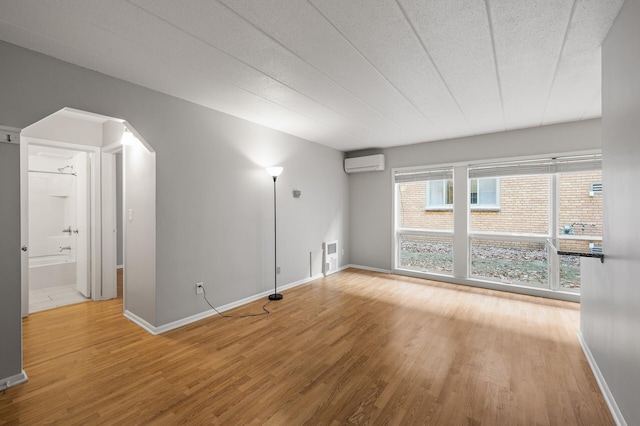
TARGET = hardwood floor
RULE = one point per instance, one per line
(355, 347)
(119, 283)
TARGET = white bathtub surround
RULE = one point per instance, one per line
(51, 271)
(52, 297)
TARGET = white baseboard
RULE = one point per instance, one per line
(13, 380)
(119, 266)
(368, 268)
(210, 312)
(604, 388)
(139, 321)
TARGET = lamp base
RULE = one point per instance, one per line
(275, 296)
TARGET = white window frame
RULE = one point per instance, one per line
(449, 206)
(462, 236)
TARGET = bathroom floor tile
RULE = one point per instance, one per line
(53, 297)
(41, 306)
(37, 297)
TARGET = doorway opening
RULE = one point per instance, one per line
(72, 199)
(59, 226)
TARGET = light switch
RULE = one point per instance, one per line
(130, 215)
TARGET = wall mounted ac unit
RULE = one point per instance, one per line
(369, 163)
(329, 257)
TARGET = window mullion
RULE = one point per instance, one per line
(460, 222)
(554, 211)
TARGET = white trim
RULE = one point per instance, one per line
(59, 144)
(86, 115)
(368, 268)
(139, 321)
(95, 206)
(425, 232)
(14, 380)
(569, 237)
(24, 226)
(210, 312)
(108, 227)
(138, 136)
(119, 266)
(602, 383)
(493, 285)
(508, 236)
(113, 148)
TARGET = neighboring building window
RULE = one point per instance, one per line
(439, 194)
(484, 194)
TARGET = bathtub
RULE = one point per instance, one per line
(51, 271)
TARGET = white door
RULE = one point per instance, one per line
(82, 227)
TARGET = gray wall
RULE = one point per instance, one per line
(214, 199)
(140, 231)
(371, 193)
(119, 212)
(610, 315)
(10, 315)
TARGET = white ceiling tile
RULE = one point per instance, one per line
(528, 36)
(298, 26)
(382, 34)
(579, 74)
(167, 76)
(576, 83)
(457, 36)
(271, 70)
(347, 74)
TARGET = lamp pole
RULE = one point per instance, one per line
(275, 172)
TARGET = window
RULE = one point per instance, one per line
(424, 236)
(484, 194)
(516, 217)
(439, 194)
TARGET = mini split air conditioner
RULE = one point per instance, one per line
(369, 163)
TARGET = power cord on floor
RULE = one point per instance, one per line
(264, 308)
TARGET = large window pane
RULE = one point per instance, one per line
(579, 220)
(569, 273)
(523, 205)
(510, 261)
(580, 209)
(426, 253)
(412, 205)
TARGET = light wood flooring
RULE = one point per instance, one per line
(355, 347)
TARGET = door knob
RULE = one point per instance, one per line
(24, 248)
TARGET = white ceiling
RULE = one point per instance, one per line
(347, 74)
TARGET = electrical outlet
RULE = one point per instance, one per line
(200, 288)
(277, 270)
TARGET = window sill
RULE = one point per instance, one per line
(485, 209)
(473, 209)
(438, 209)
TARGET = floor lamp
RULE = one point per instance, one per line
(274, 172)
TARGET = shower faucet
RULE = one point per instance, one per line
(64, 248)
